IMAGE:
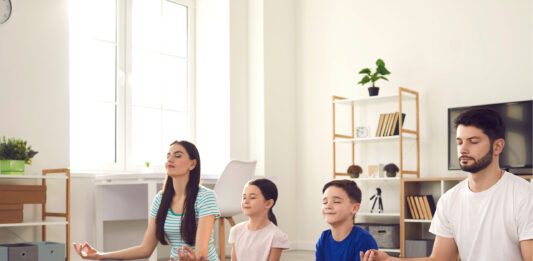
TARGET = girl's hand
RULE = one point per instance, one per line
(374, 255)
(187, 254)
(86, 251)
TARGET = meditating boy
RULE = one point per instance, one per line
(340, 203)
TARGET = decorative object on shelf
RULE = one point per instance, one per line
(354, 171)
(14, 153)
(391, 169)
(377, 198)
(372, 170)
(5, 10)
(361, 132)
(373, 77)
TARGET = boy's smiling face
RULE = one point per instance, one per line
(337, 207)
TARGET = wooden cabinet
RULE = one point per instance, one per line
(18, 195)
(411, 228)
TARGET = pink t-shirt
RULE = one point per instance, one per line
(256, 245)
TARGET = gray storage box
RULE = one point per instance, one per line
(50, 251)
(363, 225)
(21, 252)
(386, 235)
(418, 248)
(3, 253)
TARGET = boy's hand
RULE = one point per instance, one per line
(375, 255)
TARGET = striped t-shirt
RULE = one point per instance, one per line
(205, 205)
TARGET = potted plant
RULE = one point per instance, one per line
(14, 153)
(373, 77)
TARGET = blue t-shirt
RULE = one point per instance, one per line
(346, 250)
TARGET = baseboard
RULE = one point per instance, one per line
(302, 245)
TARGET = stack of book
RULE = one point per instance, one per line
(421, 206)
(389, 124)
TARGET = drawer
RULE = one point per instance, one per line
(22, 194)
(11, 213)
(21, 252)
(50, 251)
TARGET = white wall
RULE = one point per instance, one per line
(34, 101)
(455, 53)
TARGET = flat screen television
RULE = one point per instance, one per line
(518, 150)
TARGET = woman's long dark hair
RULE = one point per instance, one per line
(188, 221)
(269, 191)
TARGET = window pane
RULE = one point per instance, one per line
(146, 136)
(175, 127)
(146, 24)
(174, 31)
(174, 83)
(92, 133)
(92, 70)
(146, 78)
(84, 21)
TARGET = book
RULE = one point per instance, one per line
(387, 125)
(426, 207)
(415, 209)
(411, 208)
(421, 207)
(394, 123)
(432, 206)
(380, 124)
(397, 128)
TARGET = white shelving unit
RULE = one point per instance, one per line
(44, 221)
(404, 135)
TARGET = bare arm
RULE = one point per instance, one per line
(275, 254)
(143, 250)
(233, 255)
(444, 249)
(203, 234)
(526, 247)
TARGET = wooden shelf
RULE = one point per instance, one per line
(379, 98)
(33, 223)
(390, 250)
(31, 177)
(366, 214)
(374, 139)
(417, 220)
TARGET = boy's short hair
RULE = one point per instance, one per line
(350, 187)
(487, 120)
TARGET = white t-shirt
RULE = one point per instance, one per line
(488, 225)
(256, 245)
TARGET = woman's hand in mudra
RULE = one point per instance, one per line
(86, 251)
(187, 254)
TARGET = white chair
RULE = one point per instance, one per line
(229, 194)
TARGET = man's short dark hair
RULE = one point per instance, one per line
(350, 187)
(487, 120)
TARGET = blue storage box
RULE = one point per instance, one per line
(3, 253)
(50, 251)
(21, 252)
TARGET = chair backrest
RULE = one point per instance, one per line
(230, 184)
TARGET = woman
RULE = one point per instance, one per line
(183, 213)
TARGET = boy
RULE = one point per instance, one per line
(340, 203)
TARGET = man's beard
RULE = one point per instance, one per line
(478, 164)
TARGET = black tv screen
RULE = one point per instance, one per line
(518, 150)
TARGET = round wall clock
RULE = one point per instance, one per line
(5, 10)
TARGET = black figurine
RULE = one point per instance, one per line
(377, 198)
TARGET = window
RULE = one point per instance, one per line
(131, 81)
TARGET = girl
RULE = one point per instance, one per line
(258, 238)
(183, 213)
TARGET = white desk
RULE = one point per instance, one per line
(121, 197)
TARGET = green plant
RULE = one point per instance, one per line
(16, 149)
(373, 77)
(147, 164)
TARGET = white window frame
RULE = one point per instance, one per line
(123, 120)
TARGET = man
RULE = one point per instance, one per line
(489, 215)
